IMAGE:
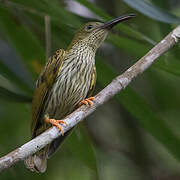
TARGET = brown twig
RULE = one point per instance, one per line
(119, 83)
(47, 36)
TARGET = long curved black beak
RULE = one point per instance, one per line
(112, 23)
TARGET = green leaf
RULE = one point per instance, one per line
(7, 95)
(76, 141)
(142, 111)
(153, 11)
(171, 66)
(167, 62)
(24, 42)
(11, 76)
(128, 45)
(10, 93)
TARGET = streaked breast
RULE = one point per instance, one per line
(72, 84)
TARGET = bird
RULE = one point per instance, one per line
(66, 82)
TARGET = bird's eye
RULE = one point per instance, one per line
(89, 27)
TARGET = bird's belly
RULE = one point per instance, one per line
(69, 89)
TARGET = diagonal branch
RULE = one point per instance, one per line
(119, 83)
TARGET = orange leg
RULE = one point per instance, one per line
(88, 101)
(56, 123)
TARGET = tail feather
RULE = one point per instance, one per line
(54, 146)
(37, 162)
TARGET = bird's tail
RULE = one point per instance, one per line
(37, 162)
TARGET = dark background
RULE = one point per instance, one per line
(135, 135)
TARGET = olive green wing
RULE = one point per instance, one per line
(43, 87)
(93, 83)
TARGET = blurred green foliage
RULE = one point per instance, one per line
(136, 135)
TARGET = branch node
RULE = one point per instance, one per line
(123, 81)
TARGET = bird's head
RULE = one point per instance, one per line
(93, 34)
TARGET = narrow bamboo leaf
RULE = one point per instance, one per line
(9, 58)
(164, 27)
(22, 39)
(153, 12)
(9, 92)
(7, 95)
(76, 141)
(128, 45)
(162, 3)
(170, 65)
(142, 111)
(89, 154)
(11, 76)
(55, 10)
(99, 12)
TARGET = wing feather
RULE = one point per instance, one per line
(43, 87)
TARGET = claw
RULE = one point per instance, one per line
(56, 123)
(88, 101)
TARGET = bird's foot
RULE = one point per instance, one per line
(88, 102)
(56, 123)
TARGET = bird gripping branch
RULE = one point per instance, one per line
(66, 82)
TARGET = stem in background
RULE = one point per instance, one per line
(47, 35)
